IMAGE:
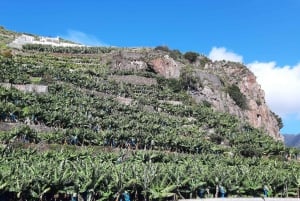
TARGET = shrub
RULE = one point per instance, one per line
(249, 150)
(238, 97)
(174, 84)
(279, 120)
(162, 48)
(216, 138)
(204, 60)
(7, 53)
(206, 103)
(191, 56)
(258, 102)
(175, 54)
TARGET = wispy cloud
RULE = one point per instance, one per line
(221, 53)
(280, 83)
(83, 38)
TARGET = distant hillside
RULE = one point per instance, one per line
(292, 140)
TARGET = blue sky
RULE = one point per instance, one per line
(263, 34)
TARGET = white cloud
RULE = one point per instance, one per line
(83, 38)
(221, 53)
(281, 86)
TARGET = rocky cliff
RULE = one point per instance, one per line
(256, 112)
(214, 80)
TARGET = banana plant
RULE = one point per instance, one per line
(162, 188)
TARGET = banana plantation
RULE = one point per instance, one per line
(78, 141)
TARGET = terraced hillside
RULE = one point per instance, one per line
(100, 123)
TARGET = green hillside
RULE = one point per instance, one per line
(70, 123)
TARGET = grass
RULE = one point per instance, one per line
(35, 80)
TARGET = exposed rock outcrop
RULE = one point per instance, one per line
(216, 76)
(214, 79)
(166, 66)
(128, 59)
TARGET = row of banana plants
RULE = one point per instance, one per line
(141, 140)
(20, 71)
(94, 120)
(67, 50)
(95, 174)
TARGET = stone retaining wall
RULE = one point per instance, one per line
(27, 87)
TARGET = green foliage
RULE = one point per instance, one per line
(258, 102)
(162, 48)
(6, 36)
(35, 80)
(206, 103)
(175, 54)
(238, 97)
(69, 50)
(279, 120)
(174, 84)
(90, 170)
(191, 56)
(204, 60)
(12, 72)
(188, 78)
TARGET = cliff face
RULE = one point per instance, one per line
(213, 79)
(257, 112)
